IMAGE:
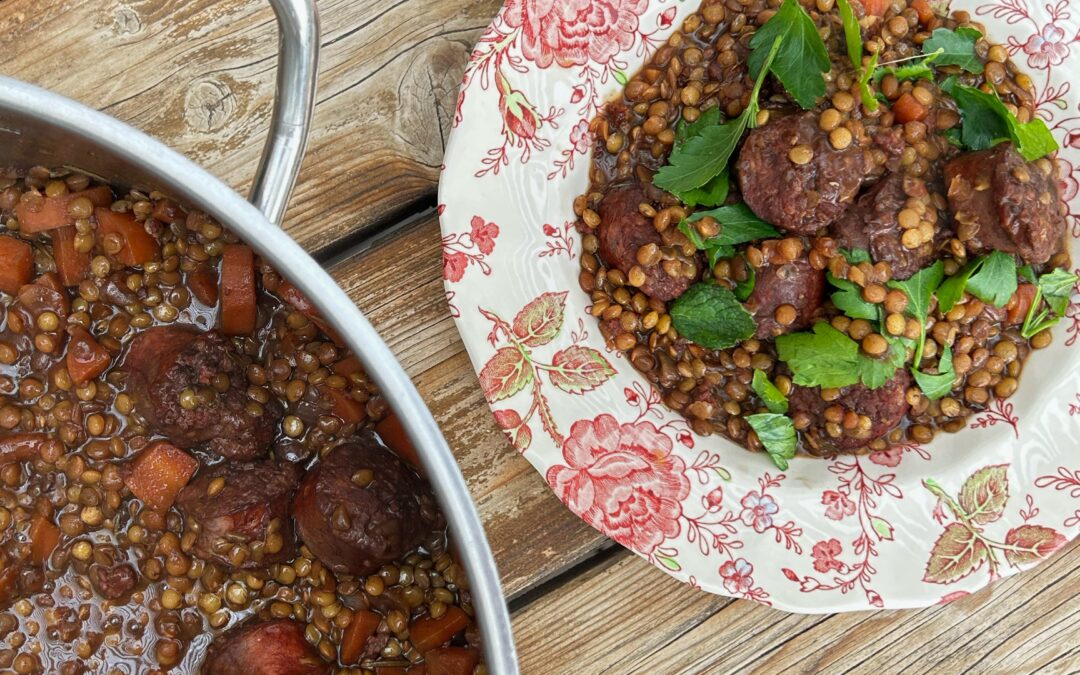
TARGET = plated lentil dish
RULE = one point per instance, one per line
(196, 475)
(826, 225)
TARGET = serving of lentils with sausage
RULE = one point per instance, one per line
(196, 475)
(826, 225)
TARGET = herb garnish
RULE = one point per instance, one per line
(919, 289)
(777, 435)
(849, 300)
(774, 399)
(744, 289)
(918, 70)
(738, 225)
(995, 280)
(957, 48)
(802, 59)
(1056, 288)
(711, 316)
(937, 386)
(986, 122)
(829, 358)
(853, 39)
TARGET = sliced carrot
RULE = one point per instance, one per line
(924, 10)
(203, 284)
(908, 109)
(451, 660)
(345, 406)
(51, 281)
(356, 634)
(427, 633)
(16, 264)
(158, 474)
(392, 432)
(72, 265)
(86, 359)
(168, 211)
(44, 536)
(347, 366)
(21, 447)
(238, 301)
(138, 246)
(1020, 303)
(876, 7)
(53, 212)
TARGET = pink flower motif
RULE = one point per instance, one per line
(758, 510)
(1073, 139)
(736, 574)
(483, 234)
(549, 231)
(838, 504)
(1048, 48)
(824, 554)
(890, 457)
(580, 137)
(574, 32)
(1067, 182)
(715, 498)
(453, 265)
(622, 480)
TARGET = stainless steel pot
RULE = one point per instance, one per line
(39, 127)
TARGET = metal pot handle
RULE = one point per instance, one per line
(297, 71)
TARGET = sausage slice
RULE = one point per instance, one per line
(264, 648)
(883, 408)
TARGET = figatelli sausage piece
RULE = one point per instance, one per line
(794, 283)
(242, 511)
(896, 221)
(191, 387)
(791, 176)
(273, 647)
(361, 507)
(1002, 203)
(115, 581)
(879, 411)
(623, 230)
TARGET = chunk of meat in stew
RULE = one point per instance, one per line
(878, 412)
(275, 647)
(785, 297)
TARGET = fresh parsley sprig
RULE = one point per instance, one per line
(986, 122)
(802, 59)
(939, 385)
(773, 398)
(919, 290)
(829, 358)
(1056, 288)
(956, 48)
(738, 225)
(777, 435)
(990, 278)
(918, 69)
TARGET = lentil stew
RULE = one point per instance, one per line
(195, 473)
(829, 270)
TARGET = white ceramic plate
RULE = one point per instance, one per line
(904, 528)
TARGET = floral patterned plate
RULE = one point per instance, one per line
(906, 527)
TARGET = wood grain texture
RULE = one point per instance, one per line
(399, 287)
(199, 76)
(629, 617)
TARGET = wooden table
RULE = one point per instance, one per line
(199, 76)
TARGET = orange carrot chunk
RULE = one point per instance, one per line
(72, 265)
(168, 211)
(924, 10)
(158, 474)
(52, 212)
(392, 433)
(345, 406)
(238, 301)
(908, 109)
(451, 660)
(86, 359)
(876, 7)
(1019, 304)
(16, 264)
(137, 246)
(428, 633)
(203, 283)
(355, 636)
(44, 536)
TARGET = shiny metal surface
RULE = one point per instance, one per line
(39, 127)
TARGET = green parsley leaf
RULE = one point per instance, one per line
(854, 256)
(777, 434)
(684, 132)
(802, 59)
(712, 193)
(738, 225)
(1028, 273)
(919, 289)
(849, 300)
(823, 358)
(865, 93)
(913, 71)
(875, 372)
(1056, 288)
(743, 289)
(711, 316)
(937, 386)
(852, 32)
(952, 289)
(705, 155)
(995, 281)
(986, 122)
(957, 47)
(773, 398)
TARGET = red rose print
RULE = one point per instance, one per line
(1067, 183)
(1047, 48)
(838, 504)
(1073, 139)
(890, 457)
(574, 32)
(454, 264)
(824, 554)
(667, 17)
(736, 575)
(578, 94)
(483, 234)
(623, 480)
(758, 510)
(580, 137)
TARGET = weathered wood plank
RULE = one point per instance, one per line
(399, 285)
(199, 76)
(630, 617)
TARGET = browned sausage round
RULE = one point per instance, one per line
(885, 407)
(264, 648)
(623, 230)
(1002, 203)
(162, 362)
(873, 224)
(799, 198)
(361, 507)
(251, 509)
(795, 283)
